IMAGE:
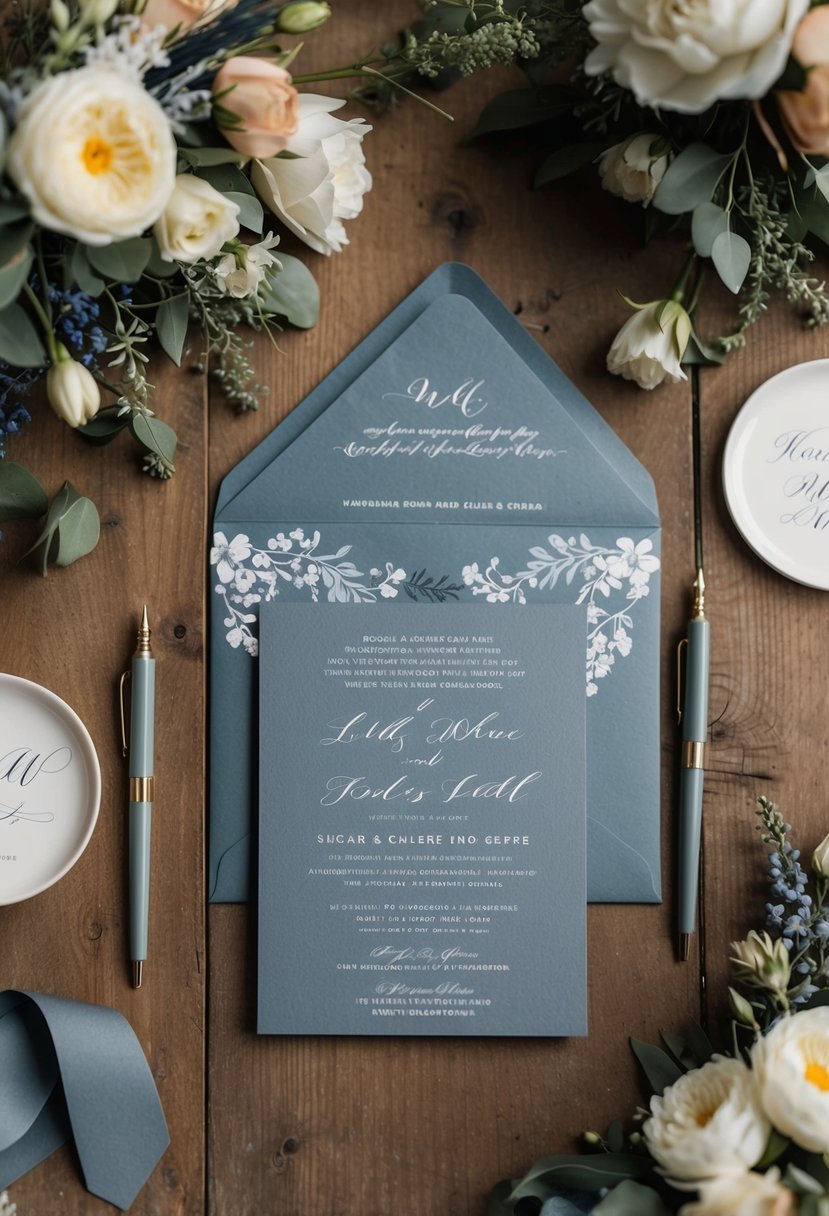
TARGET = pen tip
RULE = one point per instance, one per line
(137, 973)
(145, 624)
(684, 947)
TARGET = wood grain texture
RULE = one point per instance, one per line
(363, 1127)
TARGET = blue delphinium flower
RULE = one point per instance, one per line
(76, 315)
(15, 382)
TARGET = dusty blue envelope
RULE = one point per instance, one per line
(447, 458)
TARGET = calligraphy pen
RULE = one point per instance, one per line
(693, 710)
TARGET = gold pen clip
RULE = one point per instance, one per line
(684, 643)
(124, 747)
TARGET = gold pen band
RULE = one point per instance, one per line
(142, 789)
(693, 753)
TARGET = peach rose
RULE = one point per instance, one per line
(265, 100)
(806, 113)
(181, 13)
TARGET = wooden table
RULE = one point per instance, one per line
(374, 1127)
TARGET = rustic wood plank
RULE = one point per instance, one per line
(334, 1127)
(74, 632)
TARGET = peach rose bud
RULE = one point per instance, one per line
(806, 113)
(181, 14)
(262, 95)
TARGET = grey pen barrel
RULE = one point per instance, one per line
(691, 774)
(141, 757)
(139, 841)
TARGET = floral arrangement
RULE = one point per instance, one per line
(745, 1134)
(711, 118)
(143, 144)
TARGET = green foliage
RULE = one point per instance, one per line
(292, 293)
(121, 262)
(21, 494)
(690, 179)
(660, 1070)
(159, 439)
(631, 1199)
(71, 531)
(20, 343)
(171, 325)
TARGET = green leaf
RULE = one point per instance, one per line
(565, 161)
(83, 274)
(775, 1148)
(497, 1204)
(251, 214)
(11, 210)
(814, 212)
(226, 179)
(104, 427)
(616, 1136)
(123, 262)
(799, 1181)
(731, 254)
(20, 343)
(679, 1049)
(198, 157)
(71, 530)
(157, 266)
(590, 1173)
(171, 326)
(13, 240)
(631, 1199)
(704, 355)
(156, 436)
(523, 108)
(292, 292)
(707, 222)
(819, 178)
(658, 1066)
(701, 1045)
(13, 276)
(21, 494)
(690, 179)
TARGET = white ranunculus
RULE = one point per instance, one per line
(72, 390)
(239, 274)
(764, 959)
(650, 345)
(93, 154)
(820, 857)
(709, 1123)
(326, 182)
(685, 56)
(743, 1195)
(196, 222)
(792, 1067)
(634, 168)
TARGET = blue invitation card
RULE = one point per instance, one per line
(448, 462)
(422, 820)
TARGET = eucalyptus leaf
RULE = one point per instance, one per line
(799, 1181)
(13, 276)
(690, 179)
(171, 326)
(198, 157)
(796, 226)
(104, 427)
(11, 210)
(292, 292)
(775, 1148)
(227, 178)
(731, 254)
(123, 262)
(20, 343)
(523, 108)
(679, 1049)
(497, 1204)
(13, 239)
(21, 494)
(71, 530)
(631, 1199)
(707, 222)
(586, 1173)
(658, 1066)
(83, 274)
(251, 214)
(156, 265)
(565, 161)
(701, 1045)
(156, 436)
(814, 213)
(821, 180)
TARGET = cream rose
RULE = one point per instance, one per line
(708, 1124)
(325, 184)
(262, 95)
(633, 169)
(94, 156)
(196, 221)
(172, 14)
(743, 1195)
(792, 1067)
(687, 56)
(650, 345)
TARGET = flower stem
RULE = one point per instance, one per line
(682, 282)
(365, 72)
(45, 322)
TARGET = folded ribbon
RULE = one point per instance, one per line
(77, 1071)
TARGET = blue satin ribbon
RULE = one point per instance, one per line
(76, 1071)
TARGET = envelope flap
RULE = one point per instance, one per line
(449, 425)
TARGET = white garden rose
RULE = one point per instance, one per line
(196, 221)
(72, 389)
(325, 184)
(240, 272)
(792, 1068)
(650, 345)
(93, 154)
(633, 169)
(708, 1124)
(743, 1195)
(685, 56)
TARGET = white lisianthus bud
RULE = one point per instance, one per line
(72, 390)
(633, 169)
(650, 345)
(763, 960)
(820, 859)
(302, 16)
(196, 221)
(240, 272)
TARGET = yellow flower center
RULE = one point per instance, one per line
(817, 1075)
(97, 155)
(705, 1116)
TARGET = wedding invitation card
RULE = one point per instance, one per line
(422, 820)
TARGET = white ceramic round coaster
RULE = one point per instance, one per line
(776, 472)
(50, 788)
